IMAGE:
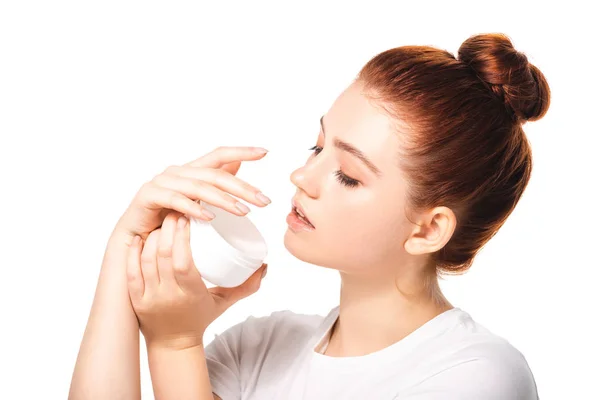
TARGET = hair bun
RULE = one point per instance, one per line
(521, 85)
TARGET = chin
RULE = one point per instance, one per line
(291, 241)
(297, 246)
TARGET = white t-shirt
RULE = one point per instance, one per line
(451, 357)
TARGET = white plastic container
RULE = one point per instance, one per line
(228, 249)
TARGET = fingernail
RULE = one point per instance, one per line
(260, 150)
(264, 272)
(262, 198)
(207, 213)
(242, 207)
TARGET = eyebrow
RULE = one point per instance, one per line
(347, 147)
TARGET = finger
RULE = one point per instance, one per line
(225, 155)
(164, 256)
(229, 296)
(187, 275)
(220, 179)
(165, 198)
(135, 279)
(200, 190)
(148, 259)
(232, 167)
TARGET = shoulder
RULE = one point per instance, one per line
(474, 341)
(491, 370)
(283, 321)
(280, 328)
(477, 363)
(500, 367)
(277, 329)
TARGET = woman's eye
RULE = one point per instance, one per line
(345, 179)
(341, 177)
(316, 149)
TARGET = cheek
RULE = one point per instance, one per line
(354, 223)
(351, 235)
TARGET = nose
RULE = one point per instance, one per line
(306, 179)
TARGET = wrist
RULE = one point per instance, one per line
(179, 373)
(120, 237)
(121, 232)
(175, 344)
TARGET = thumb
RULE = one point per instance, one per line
(229, 296)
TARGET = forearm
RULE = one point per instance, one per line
(107, 365)
(179, 374)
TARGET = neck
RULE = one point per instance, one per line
(378, 312)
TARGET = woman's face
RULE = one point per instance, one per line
(359, 226)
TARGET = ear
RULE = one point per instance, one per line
(433, 230)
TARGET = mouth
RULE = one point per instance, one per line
(299, 215)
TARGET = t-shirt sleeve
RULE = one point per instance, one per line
(235, 357)
(223, 362)
(506, 377)
(254, 348)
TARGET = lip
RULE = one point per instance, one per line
(296, 204)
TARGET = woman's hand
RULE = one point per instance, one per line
(168, 295)
(210, 178)
(108, 360)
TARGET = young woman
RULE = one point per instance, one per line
(417, 165)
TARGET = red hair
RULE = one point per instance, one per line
(460, 120)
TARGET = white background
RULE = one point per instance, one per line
(98, 97)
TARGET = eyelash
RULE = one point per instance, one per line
(341, 177)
